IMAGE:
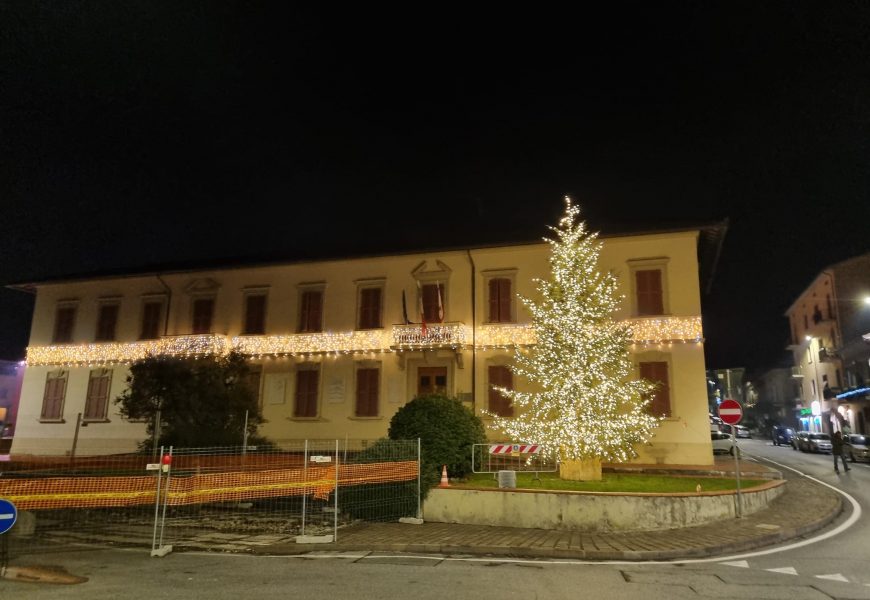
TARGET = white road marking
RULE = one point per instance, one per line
(786, 570)
(738, 563)
(834, 577)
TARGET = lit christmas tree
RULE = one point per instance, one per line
(586, 406)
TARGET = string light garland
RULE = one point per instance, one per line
(586, 405)
(645, 331)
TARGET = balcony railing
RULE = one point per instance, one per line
(435, 335)
(797, 373)
(118, 352)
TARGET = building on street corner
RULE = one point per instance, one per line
(338, 345)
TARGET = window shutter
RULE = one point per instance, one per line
(306, 394)
(430, 302)
(52, 401)
(98, 394)
(367, 393)
(151, 321)
(504, 300)
(310, 311)
(106, 322)
(64, 321)
(255, 314)
(203, 309)
(499, 404)
(657, 372)
(649, 292)
(493, 301)
(370, 308)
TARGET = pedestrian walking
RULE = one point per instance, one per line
(837, 451)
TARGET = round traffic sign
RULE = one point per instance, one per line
(8, 515)
(730, 412)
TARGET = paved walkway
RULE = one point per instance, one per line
(803, 507)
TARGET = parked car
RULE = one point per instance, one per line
(799, 441)
(781, 435)
(819, 442)
(721, 442)
(856, 447)
(715, 423)
(743, 431)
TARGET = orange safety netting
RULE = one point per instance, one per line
(106, 492)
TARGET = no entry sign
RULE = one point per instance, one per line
(730, 412)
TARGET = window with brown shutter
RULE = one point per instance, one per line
(499, 404)
(431, 302)
(649, 292)
(657, 372)
(97, 401)
(310, 310)
(255, 314)
(369, 308)
(306, 393)
(151, 313)
(367, 384)
(203, 311)
(52, 400)
(64, 322)
(499, 300)
(107, 321)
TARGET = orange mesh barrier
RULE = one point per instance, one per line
(105, 492)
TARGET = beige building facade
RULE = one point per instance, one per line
(338, 346)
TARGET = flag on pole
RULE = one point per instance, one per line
(423, 329)
(404, 308)
(440, 305)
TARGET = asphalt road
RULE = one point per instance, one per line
(834, 567)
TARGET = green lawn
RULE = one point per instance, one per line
(615, 482)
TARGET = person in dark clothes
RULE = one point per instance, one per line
(837, 450)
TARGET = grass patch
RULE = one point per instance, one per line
(616, 482)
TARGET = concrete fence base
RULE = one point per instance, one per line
(591, 511)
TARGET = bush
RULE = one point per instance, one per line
(447, 432)
(381, 501)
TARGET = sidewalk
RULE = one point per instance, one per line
(803, 507)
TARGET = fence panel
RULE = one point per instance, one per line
(219, 498)
(511, 456)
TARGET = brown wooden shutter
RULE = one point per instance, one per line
(310, 311)
(657, 372)
(306, 394)
(64, 321)
(367, 392)
(106, 322)
(370, 308)
(52, 401)
(255, 314)
(96, 402)
(649, 292)
(203, 309)
(499, 404)
(151, 321)
(499, 300)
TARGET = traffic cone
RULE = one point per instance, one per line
(444, 481)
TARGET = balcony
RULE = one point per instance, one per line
(828, 355)
(436, 335)
(119, 352)
(797, 373)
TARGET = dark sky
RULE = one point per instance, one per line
(136, 133)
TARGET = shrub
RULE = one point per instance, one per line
(447, 432)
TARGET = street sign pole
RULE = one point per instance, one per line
(731, 412)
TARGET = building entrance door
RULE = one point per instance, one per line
(431, 380)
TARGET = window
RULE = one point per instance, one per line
(648, 287)
(203, 310)
(369, 308)
(52, 400)
(499, 404)
(367, 388)
(64, 322)
(500, 300)
(306, 393)
(255, 314)
(152, 312)
(97, 401)
(107, 321)
(310, 311)
(433, 302)
(657, 372)
(255, 376)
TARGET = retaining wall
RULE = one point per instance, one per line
(591, 511)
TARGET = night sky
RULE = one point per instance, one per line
(141, 133)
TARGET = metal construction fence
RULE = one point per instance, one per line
(210, 497)
(511, 456)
